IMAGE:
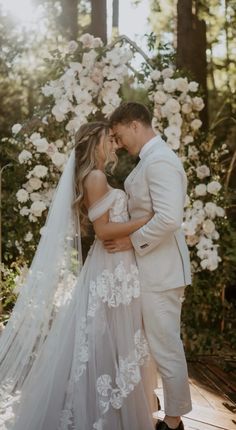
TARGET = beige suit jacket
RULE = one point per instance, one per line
(158, 184)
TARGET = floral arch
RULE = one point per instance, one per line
(89, 79)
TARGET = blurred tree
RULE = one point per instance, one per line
(98, 25)
(192, 46)
(115, 18)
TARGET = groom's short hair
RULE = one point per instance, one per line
(131, 111)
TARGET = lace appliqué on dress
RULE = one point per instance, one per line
(127, 377)
(114, 288)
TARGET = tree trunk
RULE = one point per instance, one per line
(69, 18)
(99, 19)
(191, 48)
(115, 18)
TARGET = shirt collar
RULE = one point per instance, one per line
(148, 145)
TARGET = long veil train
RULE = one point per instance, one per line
(46, 292)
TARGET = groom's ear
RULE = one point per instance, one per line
(135, 125)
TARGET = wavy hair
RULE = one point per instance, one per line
(87, 139)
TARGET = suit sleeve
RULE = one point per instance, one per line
(165, 183)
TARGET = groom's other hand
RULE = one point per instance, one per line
(118, 245)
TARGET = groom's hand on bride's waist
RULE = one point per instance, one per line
(118, 245)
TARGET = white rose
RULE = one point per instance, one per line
(16, 128)
(174, 142)
(40, 171)
(193, 86)
(59, 143)
(200, 216)
(189, 227)
(200, 190)
(169, 85)
(87, 40)
(186, 108)
(187, 139)
(28, 237)
(22, 195)
(220, 211)
(35, 197)
(97, 42)
(203, 171)
(172, 106)
(193, 152)
(176, 120)
(192, 240)
(72, 46)
(24, 211)
(196, 124)
(37, 208)
(210, 209)
(32, 218)
(198, 204)
(181, 84)
(24, 156)
(208, 226)
(42, 145)
(58, 159)
(34, 136)
(160, 97)
(172, 131)
(213, 187)
(35, 183)
(198, 103)
(155, 75)
(167, 72)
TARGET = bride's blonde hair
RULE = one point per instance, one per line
(87, 139)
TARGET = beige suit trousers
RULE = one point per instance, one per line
(161, 315)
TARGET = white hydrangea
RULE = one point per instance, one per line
(16, 128)
(210, 209)
(198, 103)
(40, 171)
(160, 97)
(24, 156)
(155, 75)
(196, 124)
(202, 171)
(28, 237)
(35, 183)
(58, 159)
(167, 72)
(214, 187)
(22, 195)
(172, 106)
(208, 226)
(169, 85)
(181, 84)
(200, 190)
(37, 208)
(193, 86)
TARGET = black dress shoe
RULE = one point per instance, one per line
(161, 425)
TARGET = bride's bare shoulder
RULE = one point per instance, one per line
(95, 178)
(96, 185)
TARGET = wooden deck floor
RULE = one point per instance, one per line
(213, 394)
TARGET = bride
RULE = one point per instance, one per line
(73, 355)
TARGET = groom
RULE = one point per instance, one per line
(157, 185)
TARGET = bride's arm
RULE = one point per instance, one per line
(96, 187)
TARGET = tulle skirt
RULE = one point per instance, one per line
(94, 370)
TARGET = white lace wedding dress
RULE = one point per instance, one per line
(102, 378)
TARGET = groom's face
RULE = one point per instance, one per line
(127, 137)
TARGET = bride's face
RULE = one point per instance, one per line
(106, 149)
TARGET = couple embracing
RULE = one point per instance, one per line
(85, 358)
